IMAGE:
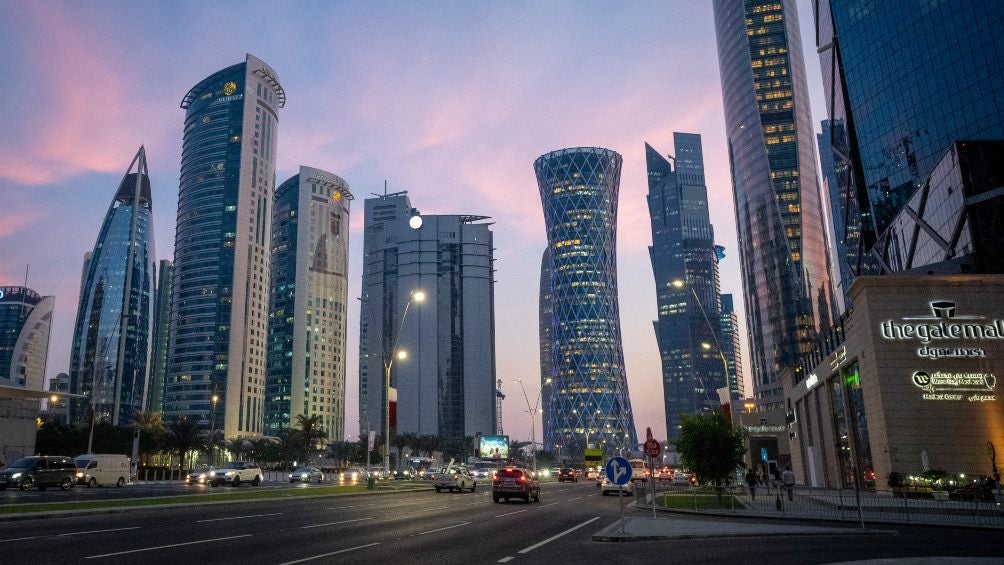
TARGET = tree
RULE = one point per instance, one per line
(401, 441)
(183, 435)
(237, 446)
(710, 447)
(150, 425)
(310, 433)
(342, 452)
(429, 444)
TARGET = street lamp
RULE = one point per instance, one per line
(677, 283)
(212, 431)
(388, 362)
(533, 412)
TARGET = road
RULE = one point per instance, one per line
(426, 527)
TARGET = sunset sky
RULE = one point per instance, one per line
(451, 101)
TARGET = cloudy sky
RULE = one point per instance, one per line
(451, 101)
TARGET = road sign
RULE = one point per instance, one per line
(652, 448)
(618, 470)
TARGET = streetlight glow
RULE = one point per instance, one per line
(418, 296)
(402, 354)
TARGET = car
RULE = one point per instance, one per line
(234, 473)
(355, 474)
(40, 471)
(600, 477)
(590, 473)
(455, 479)
(567, 474)
(306, 475)
(430, 473)
(99, 469)
(513, 482)
(200, 475)
(608, 486)
(681, 479)
(665, 474)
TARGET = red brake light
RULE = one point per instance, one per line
(522, 478)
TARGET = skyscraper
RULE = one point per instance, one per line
(903, 83)
(446, 384)
(309, 302)
(161, 331)
(731, 347)
(544, 319)
(782, 245)
(110, 359)
(684, 263)
(25, 319)
(844, 249)
(587, 400)
(219, 311)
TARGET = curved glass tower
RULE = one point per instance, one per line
(25, 319)
(110, 360)
(219, 309)
(587, 400)
(309, 296)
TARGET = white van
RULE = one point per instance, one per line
(99, 469)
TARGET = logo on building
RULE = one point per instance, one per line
(229, 88)
(944, 385)
(941, 325)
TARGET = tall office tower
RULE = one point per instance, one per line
(219, 310)
(545, 313)
(731, 347)
(309, 303)
(684, 263)
(25, 319)
(782, 245)
(161, 331)
(110, 358)
(588, 400)
(903, 83)
(446, 384)
(843, 253)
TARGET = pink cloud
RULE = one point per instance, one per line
(14, 221)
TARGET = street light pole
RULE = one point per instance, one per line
(212, 431)
(388, 362)
(533, 412)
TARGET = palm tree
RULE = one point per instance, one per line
(237, 446)
(310, 432)
(342, 452)
(150, 423)
(429, 444)
(401, 441)
(183, 435)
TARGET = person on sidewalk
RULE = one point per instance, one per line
(751, 480)
(788, 481)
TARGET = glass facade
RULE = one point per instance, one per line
(782, 245)
(25, 319)
(850, 426)
(588, 395)
(905, 81)
(219, 312)
(308, 305)
(685, 265)
(544, 314)
(843, 235)
(110, 358)
(161, 329)
(732, 348)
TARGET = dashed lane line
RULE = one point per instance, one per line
(238, 517)
(322, 556)
(98, 531)
(507, 559)
(334, 523)
(511, 513)
(117, 553)
(554, 537)
(441, 529)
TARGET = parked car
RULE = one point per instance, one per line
(306, 475)
(99, 469)
(567, 474)
(234, 473)
(455, 479)
(608, 486)
(200, 475)
(513, 482)
(41, 471)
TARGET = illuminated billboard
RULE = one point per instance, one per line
(494, 447)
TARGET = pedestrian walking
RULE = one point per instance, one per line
(751, 480)
(788, 481)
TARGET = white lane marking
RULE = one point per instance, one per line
(554, 537)
(511, 513)
(334, 523)
(446, 528)
(571, 499)
(595, 494)
(332, 553)
(546, 505)
(98, 531)
(238, 517)
(19, 539)
(506, 559)
(353, 506)
(166, 546)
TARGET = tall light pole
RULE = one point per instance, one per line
(533, 413)
(714, 335)
(212, 430)
(388, 361)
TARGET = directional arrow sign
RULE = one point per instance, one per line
(618, 470)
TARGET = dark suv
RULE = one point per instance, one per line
(567, 475)
(513, 482)
(40, 471)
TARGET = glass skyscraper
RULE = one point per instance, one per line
(903, 83)
(782, 245)
(220, 293)
(309, 303)
(844, 235)
(25, 319)
(684, 263)
(587, 400)
(110, 359)
(161, 331)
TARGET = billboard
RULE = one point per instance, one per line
(494, 447)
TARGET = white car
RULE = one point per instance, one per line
(234, 473)
(457, 479)
(610, 487)
(681, 479)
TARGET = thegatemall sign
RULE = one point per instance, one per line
(943, 325)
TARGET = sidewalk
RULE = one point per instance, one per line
(668, 528)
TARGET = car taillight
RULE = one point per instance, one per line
(522, 479)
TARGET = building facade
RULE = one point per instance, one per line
(903, 83)
(161, 332)
(544, 318)
(110, 357)
(782, 244)
(685, 265)
(446, 384)
(25, 320)
(732, 349)
(587, 399)
(843, 254)
(309, 303)
(220, 296)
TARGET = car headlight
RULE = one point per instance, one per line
(16, 475)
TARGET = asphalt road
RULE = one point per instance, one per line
(426, 527)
